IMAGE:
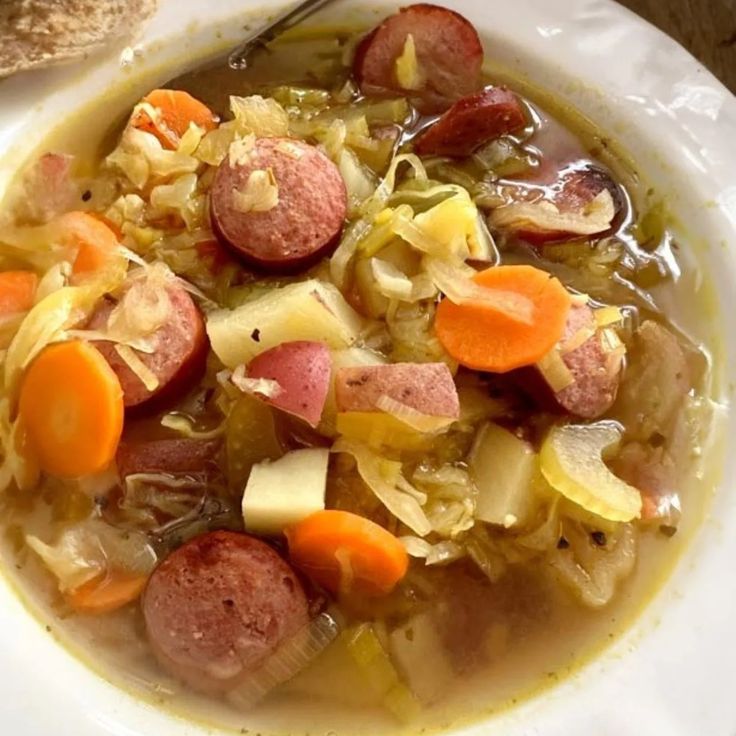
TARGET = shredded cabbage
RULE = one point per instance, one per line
(261, 192)
(545, 217)
(85, 551)
(390, 281)
(141, 157)
(385, 479)
(265, 387)
(184, 426)
(47, 322)
(240, 150)
(440, 553)
(409, 73)
(455, 282)
(179, 197)
(262, 116)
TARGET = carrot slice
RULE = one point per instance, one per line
(176, 109)
(17, 291)
(71, 408)
(93, 240)
(487, 340)
(102, 595)
(347, 553)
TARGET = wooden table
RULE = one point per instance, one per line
(707, 28)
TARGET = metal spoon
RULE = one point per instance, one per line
(238, 59)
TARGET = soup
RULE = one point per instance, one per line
(338, 393)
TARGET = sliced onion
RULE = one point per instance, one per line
(555, 371)
(290, 658)
(411, 417)
(456, 284)
(264, 387)
(385, 479)
(544, 217)
(144, 374)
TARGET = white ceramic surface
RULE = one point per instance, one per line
(673, 674)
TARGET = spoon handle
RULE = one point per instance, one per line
(238, 59)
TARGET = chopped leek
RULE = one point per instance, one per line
(371, 657)
(308, 310)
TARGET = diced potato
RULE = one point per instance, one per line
(420, 656)
(285, 491)
(504, 469)
(309, 310)
(343, 359)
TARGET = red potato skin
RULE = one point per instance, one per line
(448, 50)
(428, 388)
(471, 122)
(179, 357)
(302, 370)
(306, 223)
(218, 606)
(172, 456)
(594, 389)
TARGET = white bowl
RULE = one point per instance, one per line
(672, 674)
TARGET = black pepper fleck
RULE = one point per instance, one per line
(599, 538)
(255, 335)
(86, 195)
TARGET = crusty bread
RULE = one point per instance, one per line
(35, 33)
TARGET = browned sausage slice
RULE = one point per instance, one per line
(471, 122)
(449, 56)
(595, 372)
(178, 357)
(172, 456)
(218, 606)
(300, 221)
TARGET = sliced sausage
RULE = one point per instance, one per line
(471, 122)
(298, 225)
(427, 388)
(595, 376)
(449, 56)
(172, 456)
(595, 372)
(579, 187)
(178, 358)
(302, 371)
(218, 606)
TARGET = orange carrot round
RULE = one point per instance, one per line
(176, 109)
(93, 240)
(347, 553)
(481, 338)
(102, 595)
(71, 408)
(17, 291)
